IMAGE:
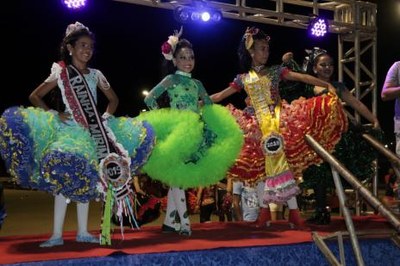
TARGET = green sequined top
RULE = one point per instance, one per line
(184, 92)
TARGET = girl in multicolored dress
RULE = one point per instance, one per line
(282, 123)
(77, 50)
(75, 153)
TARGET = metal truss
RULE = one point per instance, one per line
(353, 21)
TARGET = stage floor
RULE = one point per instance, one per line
(31, 213)
(29, 223)
(150, 239)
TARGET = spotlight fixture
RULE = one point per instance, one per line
(205, 16)
(318, 27)
(186, 14)
(182, 14)
(74, 4)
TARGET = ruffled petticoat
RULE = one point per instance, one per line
(213, 138)
(321, 117)
(40, 152)
(250, 165)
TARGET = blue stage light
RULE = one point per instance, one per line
(186, 14)
(216, 16)
(195, 16)
(205, 16)
(182, 14)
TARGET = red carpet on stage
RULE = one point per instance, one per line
(150, 239)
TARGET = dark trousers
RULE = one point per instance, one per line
(205, 212)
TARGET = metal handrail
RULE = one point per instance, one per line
(352, 180)
(338, 168)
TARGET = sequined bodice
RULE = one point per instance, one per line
(184, 92)
(263, 91)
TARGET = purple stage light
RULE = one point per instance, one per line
(318, 27)
(74, 4)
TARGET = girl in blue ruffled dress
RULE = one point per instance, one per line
(76, 51)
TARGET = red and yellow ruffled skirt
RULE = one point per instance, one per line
(321, 117)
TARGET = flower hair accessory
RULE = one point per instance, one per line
(74, 27)
(168, 47)
(248, 36)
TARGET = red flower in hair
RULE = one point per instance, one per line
(169, 46)
(166, 48)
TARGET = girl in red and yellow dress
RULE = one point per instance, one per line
(281, 123)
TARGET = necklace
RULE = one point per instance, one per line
(258, 69)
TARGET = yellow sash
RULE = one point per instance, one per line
(268, 116)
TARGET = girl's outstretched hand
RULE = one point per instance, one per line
(287, 57)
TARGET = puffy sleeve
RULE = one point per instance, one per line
(283, 72)
(102, 82)
(237, 83)
(55, 73)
